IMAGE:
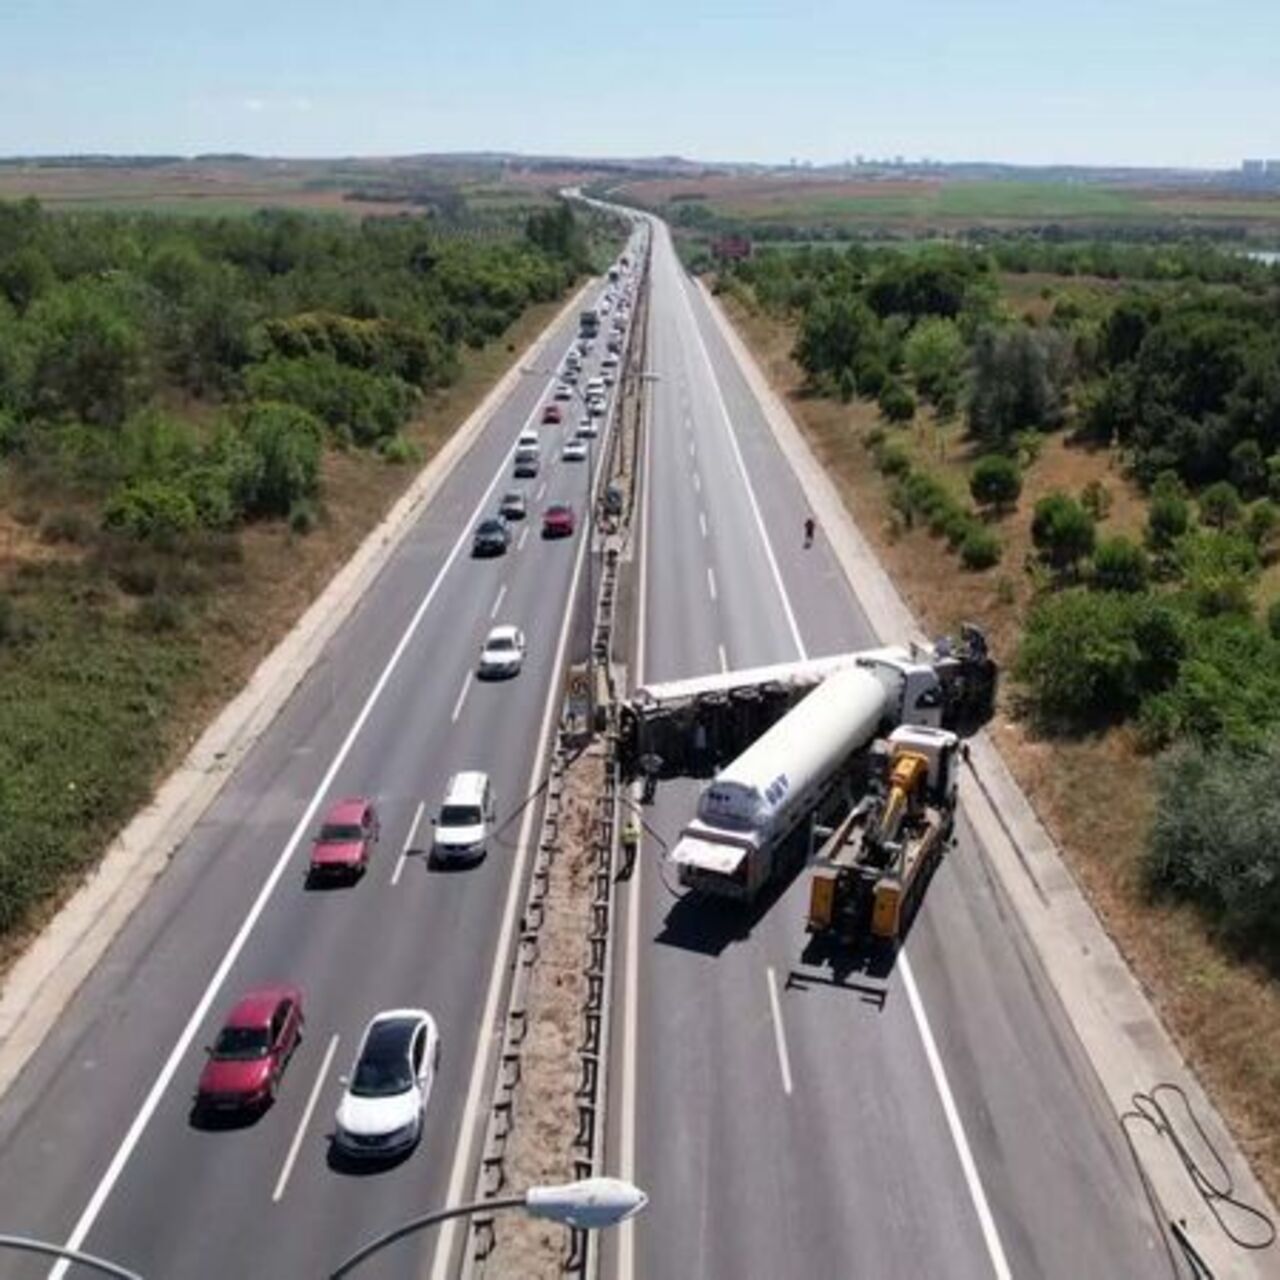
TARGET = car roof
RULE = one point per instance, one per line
(556, 507)
(254, 1008)
(392, 1029)
(468, 785)
(348, 809)
(506, 629)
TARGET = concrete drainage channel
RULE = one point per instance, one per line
(546, 1116)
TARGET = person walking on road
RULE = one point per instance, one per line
(808, 532)
(630, 847)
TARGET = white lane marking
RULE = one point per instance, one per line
(976, 1192)
(287, 1168)
(490, 1031)
(702, 522)
(711, 581)
(133, 1135)
(408, 842)
(779, 1034)
(631, 967)
(693, 449)
(697, 483)
(502, 593)
(971, 1176)
(742, 471)
(524, 537)
(462, 697)
(724, 659)
(542, 491)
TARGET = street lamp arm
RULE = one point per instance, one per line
(421, 1224)
(24, 1244)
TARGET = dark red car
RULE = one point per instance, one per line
(347, 837)
(252, 1050)
(558, 521)
(552, 413)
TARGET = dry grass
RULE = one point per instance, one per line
(1094, 794)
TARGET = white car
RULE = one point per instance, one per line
(574, 451)
(609, 378)
(384, 1100)
(564, 391)
(588, 428)
(610, 361)
(503, 652)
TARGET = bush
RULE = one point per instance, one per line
(399, 451)
(1220, 505)
(287, 443)
(980, 548)
(1062, 530)
(1168, 518)
(67, 526)
(1261, 524)
(1120, 565)
(1212, 841)
(1218, 572)
(897, 403)
(1273, 619)
(302, 517)
(995, 482)
(150, 509)
(892, 460)
(1087, 658)
(1095, 498)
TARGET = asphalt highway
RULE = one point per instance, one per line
(789, 1118)
(96, 1139)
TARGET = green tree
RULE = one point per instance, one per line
(287, 442)
(1261, 524)
(897, 403)
(1018, 381)
(995, 482)
(1120, 565)
(1248, 469)
(1220, 505)
(935, 356)
(1168, 518)
(1062, 530)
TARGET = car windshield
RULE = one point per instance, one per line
(460, 815)
(242, 1043)
(339, 832)
(383, 1069)
(513, 500)
(490, 526)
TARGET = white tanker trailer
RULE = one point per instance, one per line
(747, 812)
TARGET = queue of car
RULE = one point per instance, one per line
(385, 1097)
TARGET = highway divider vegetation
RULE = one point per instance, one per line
(172, 391)
(1178, 384)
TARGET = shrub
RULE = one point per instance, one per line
(150, 509)
(1095, 498)
(67, 526)
(1273, 619)
(1218, 572)
(995, 482)
(1168, 518)
(1261, 523)
(1212, 841)
(1091, 657)
(1062, 530)
(980, 548)
(1248, 468)
(400, 451)
(287, 443)
(874, 438)
(897, 403)
(893, 460)
(302, 517)
(1220, 505)
(1120, 565)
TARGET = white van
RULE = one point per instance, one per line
(465, 817)
(529, 436)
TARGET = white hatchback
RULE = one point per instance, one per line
(502, 653)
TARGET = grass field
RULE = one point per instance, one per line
(952, 203)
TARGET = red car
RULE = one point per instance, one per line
(346, 838)
(552, 413)
(557, 520)
(252, 1050)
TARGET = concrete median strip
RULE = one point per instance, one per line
(1126, 1043)
(43, 980)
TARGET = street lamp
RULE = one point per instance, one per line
(589, 1205)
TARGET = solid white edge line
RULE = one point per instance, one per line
(287, 1168)
(462, 697)
(990, 1234)
(490, 1031)
(133, 1135)
(977, 1194)
(408, 842)
(779, 1034)
(502, 594)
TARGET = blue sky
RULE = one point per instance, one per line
(1091, 81)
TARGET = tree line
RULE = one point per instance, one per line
(1183, 382)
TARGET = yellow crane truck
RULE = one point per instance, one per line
(871, 871)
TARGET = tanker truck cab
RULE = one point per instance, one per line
(913, 692)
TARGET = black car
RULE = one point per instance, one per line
(491, 538)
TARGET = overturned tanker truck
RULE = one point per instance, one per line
(782, 741)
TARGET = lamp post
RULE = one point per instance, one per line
(589, 1204)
